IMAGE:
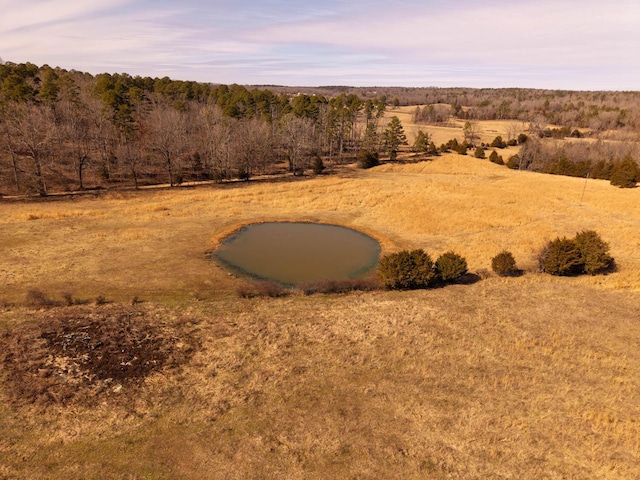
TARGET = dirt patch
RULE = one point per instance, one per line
(84, 354)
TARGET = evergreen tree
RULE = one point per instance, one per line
(421, 144)
(625, 174)
(394, 137)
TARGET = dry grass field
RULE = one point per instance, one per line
(529, 377)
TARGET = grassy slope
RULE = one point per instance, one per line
(456, 202)
(504, 378)
(516, 378)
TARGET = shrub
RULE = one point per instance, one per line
(561, 257)
(522, 138)
(37, 299)
(406, 270)
(495, 158)
(504, 264)
(67, 298)
(450, 266)
(368, 159)
(625, 174)
(318, 165)
(514, 162)
(594, 252)
(462, 148)
(601, 170)
(498, 142)
(512, 143)
(585, 253)
(100, 300)
(479, 153)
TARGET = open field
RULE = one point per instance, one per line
(530, 377)
(153, 244)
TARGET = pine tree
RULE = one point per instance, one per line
(394, 137)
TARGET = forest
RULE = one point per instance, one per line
(65, 130)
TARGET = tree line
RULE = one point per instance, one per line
(65, 130)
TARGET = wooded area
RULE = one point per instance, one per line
(67, 130)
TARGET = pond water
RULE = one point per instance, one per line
(293, 253)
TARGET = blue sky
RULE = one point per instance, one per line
(564, 44)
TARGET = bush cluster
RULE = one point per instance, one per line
(498, 142)
(585, 253)
(504, 264)
(368, 159)
(409, 270)
(495, 158)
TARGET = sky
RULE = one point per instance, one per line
(555, 44)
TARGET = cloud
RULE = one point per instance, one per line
(406, 42)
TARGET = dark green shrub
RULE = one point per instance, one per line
(625, 174)
(318, 165)
(561, 257)
(406, 270)
(462, 148)
(479, 153)
(495, 158)
(450, 266)
(512, 143)
(498, 142)
(601, 170)
(514, 162)
(368, 159)
(522, 138)
(504, 264)
(594, 252)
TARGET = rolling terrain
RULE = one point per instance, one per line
(529, 377)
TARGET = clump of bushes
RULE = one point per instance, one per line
(513, 162)
(479, 153)
(585, 253)
(406, 270)
(450, 267)
(504, 264)
(368, 159)
(409, 270)
(495, 158)
(498, 142)
(626, 173)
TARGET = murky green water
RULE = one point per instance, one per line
(299, 252)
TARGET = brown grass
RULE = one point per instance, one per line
(507, 378)
(529, 377)
(153, 244)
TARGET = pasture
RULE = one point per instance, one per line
(529, 377)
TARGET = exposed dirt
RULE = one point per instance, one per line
(84, 354)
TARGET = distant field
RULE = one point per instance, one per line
(488, 130)
(530, 377)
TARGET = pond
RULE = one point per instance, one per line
(294, 253)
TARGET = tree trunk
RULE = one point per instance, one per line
(42, 189)
(14, 163)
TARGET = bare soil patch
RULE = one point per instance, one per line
(84, 354)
